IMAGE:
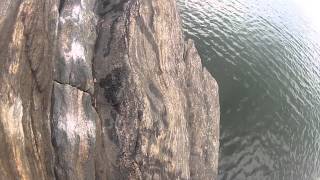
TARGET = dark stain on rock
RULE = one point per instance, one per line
(105, 3)
(167, 151)
(152, 16)
(140, 115)
(154, 90)
(110, 125)
(158, 108)
(61, 5)
(156, 129)
(108, 6)
(107, 49)
(152, 105)
(113, 115)
(205, 154)
(164, 115)
(114, 86)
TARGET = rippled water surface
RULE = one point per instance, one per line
(265, 55)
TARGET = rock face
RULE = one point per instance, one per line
(27, 52)
(74, 133)
(105, 89)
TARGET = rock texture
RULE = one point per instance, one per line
(74, 133)
(27, 47)
(76, 40)
(157, 105)
(105, 89)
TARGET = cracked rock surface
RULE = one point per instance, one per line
(73, 132)
(103, 89)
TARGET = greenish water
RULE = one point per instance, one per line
(265, 55)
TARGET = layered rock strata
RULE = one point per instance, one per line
(103, 89)
(28, 33)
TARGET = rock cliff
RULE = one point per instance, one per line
(105, 89)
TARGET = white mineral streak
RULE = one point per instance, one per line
(55, 10)
(11, 114)
(76, 53)
(87, 4)
(76, 12)
(4, 6)
(75, 123)
(76, 15)
(62, 20)
(17, 40)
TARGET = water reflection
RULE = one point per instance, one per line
(265, 56)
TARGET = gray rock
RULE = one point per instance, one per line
(73, 116)
(76, 40)
(74, 133)
(203, 116)
(160, 107)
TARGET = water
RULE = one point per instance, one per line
(265, 55)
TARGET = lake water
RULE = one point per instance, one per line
(265, 55)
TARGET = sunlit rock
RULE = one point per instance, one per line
(103, 90)
(76, 40)
(74, 133)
